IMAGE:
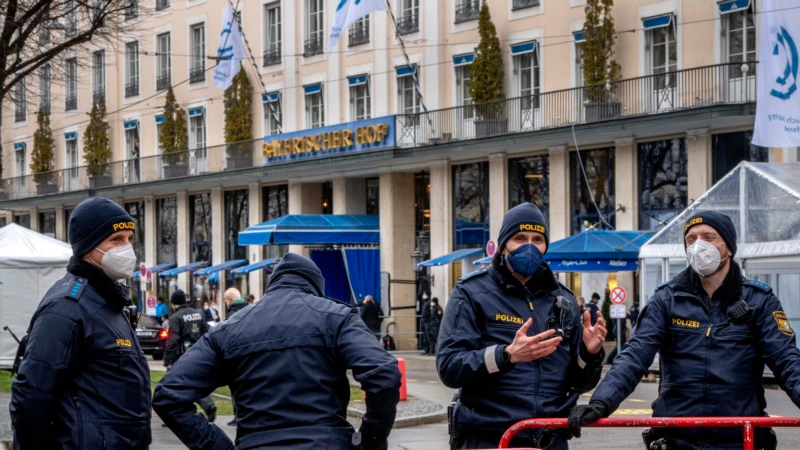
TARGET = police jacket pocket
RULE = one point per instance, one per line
(119, 435)
(679, 400)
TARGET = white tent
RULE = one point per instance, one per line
(763, 200)
(30, 263)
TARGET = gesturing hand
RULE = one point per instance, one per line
(594, 335)
(529, 348)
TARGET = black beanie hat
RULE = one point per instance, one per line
(718, 221)
(523, 217)
(178, 298)
(299, 265)
(93, 220)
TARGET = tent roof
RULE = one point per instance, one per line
(224, 266)
(598, 244)
(314, 229)
(762, 199)
(172, 273)
(22, 247)
(451, 257)
(255, 266)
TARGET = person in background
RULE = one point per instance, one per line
(208, 316)
(581, 304)
(436, 313)
(426, 324)
(593, 308)
(372, 315)
(251, 299)
(633, 314)
(233, 302)
(161, 310)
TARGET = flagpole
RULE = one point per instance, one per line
(408, 62)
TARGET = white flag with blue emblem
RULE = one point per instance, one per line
(347, 12)
(231, 51)
(778, 103)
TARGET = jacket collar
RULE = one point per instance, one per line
(114, 293)
(294, 281)
(731, 289)
(543, 281)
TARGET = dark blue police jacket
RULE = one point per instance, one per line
(285, 359)
(482, 316)
(710, 366)
(84, 382)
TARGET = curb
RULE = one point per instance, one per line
(406, 422)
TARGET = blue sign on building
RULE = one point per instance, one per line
(347, 138)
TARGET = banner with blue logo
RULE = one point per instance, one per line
(777, 121)
(352, 137)
(593, 265)
(349, 11)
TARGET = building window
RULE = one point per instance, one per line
(99, 76)
(463, 85)
(315, 27)
(71, 85)
(159, 120)
(3, 222)
(20, 161)
(373, 195)
(739, 30)
(132, 10)
(20, 101)
(408, 99)
(579, 40)
(275, 204)
(422, 211)
(23, 220)
(663, 182)
(528, 81)
(272, 34)
(73, 160)
(197, 73)
(163, 61)
(663, 49)
(729, 149)
(71, 26)
(167, 230)
(599, 169)
(197, 132)
(522, 4)
(408, 22)
(136, 211)
(315, 106)
(272, 122)
(467, 10)
(44, 89)
(131, 69)
(327, 197)
(470, 205)
(200, 227)
(528, 182)
(360, 103)
(359, 32)
(162, 5)
(47, 223)
(236, 220)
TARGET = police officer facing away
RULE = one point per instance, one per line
(714, 330)
(186, 327)
(514, 343)
(285, 359)
(593, 308)
(84, 381)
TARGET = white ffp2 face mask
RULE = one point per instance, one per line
(118, 262)
(704, 257)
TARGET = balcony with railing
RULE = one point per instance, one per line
(272, 56)
(642, 97)
(20, 115)
(313, 46)
(99, 95)
(197, 74)
(358, 35)
(71, 102)
(163, 81)
(467, 10)
(522, 4)
(132, 89)
(408, 23)
(162, 5)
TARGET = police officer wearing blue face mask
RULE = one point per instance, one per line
(714, 330)
(515, 343)
(84, 381)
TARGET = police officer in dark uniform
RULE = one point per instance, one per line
(435, 322)
(84, 381)
(285, 359)
(186, 327)
(714, 330)
(593, 308)
(514, 343)
(427, 344)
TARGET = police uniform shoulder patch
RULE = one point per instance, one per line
(474, 274)
(758, 285)
(783, 323)
(76, 289)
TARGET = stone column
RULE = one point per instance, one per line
(560, 213)
(698, 149)
(349, 196)
(498, 192)
(61, 227)
(255, 253)
(150, 244)
(626, 184)
(184, 239)
(398, 241)
(304, 198)
(441, 228)
(34, 212)
(217, 226)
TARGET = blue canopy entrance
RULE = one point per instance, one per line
(314, 229)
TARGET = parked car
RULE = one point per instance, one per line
(152, 337)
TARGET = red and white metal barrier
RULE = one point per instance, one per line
(749, 424)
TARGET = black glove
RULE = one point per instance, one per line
(585, 414)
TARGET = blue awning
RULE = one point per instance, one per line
(312, 88)
(730, 6)
(487, 260)
(662, 21)
(463, 60)
(195, 112)
(404, 71)
(358, 80)
(597, 251)
(452, 257)
(253, 267)
(579, 36)
(130, 125)
(160, 119)
(172, 273)
(70, 136)
(19, 146)
(224, 266)
(155, 269)
(314, 229)
(521, 49)
(270, 97)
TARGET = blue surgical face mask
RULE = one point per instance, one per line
(525, 260)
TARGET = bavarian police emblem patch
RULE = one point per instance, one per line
(783, 323)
